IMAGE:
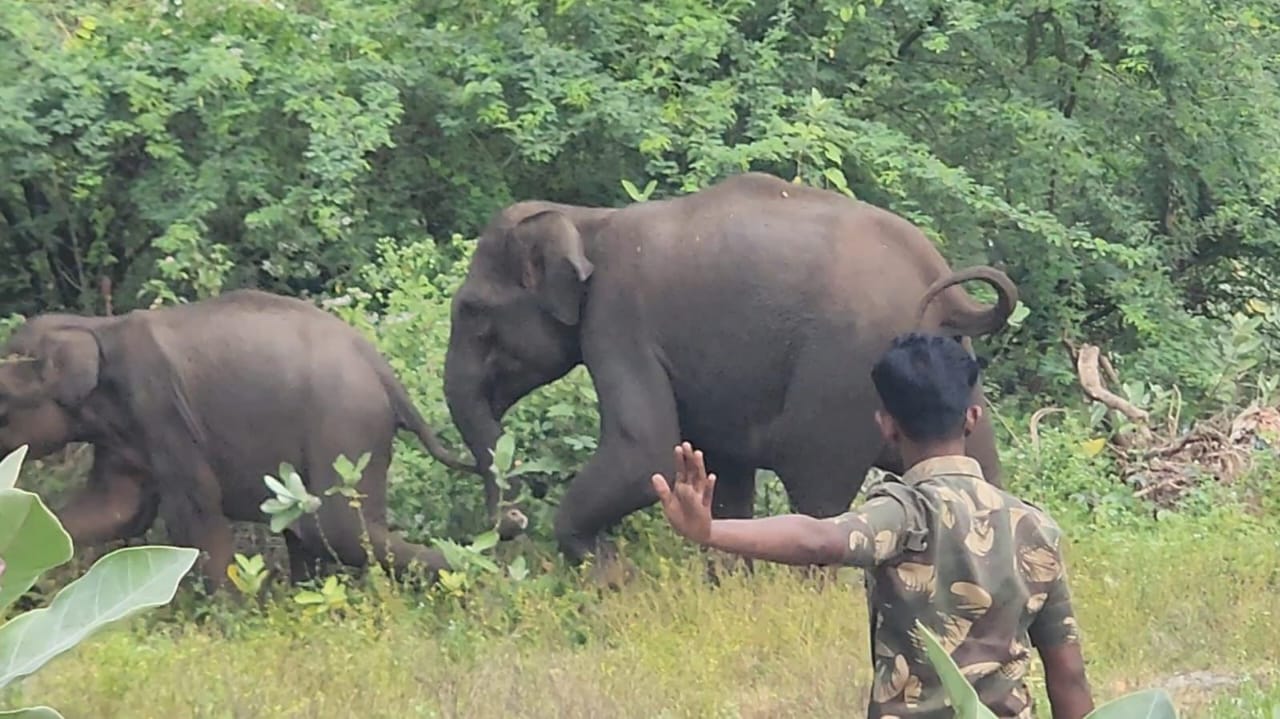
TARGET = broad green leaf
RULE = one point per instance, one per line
(964, 698)
(486, 540)
(518, 569)
(483, 562)
(252, 564)
(504, 453)
(32, 542)
(274, 485)
(10, 466)
(119, 585)
(296, 488)
(363, 461)
(1146, 704)
(453, 553)
(40, 712)
(1020, 312)
(281, 520)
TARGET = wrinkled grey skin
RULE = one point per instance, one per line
(744, 318)
(187, 407)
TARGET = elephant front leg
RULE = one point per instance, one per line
(639, 433)
(613, 484)
(118, 502)
(193, 518)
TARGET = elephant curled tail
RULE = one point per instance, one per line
(407, 415)
(967, 317)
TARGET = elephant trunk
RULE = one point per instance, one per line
(473, 415)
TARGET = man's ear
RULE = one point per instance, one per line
(888, 427)
(971, 417)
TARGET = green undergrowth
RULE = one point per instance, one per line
(1184, 596)
(1188, 602)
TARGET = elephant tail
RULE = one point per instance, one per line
(408, 417)
(966, 316)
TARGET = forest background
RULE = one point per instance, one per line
(1117, 158)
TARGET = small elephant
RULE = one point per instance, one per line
(744, 318)
(188, 407)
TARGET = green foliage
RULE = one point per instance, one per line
(291, 500)
(402, 303)
(1111, 157)
(32, 541)
(774, 643)
(330, 598)
(119, 585)
(248, 574)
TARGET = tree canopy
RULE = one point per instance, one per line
(1116, 157)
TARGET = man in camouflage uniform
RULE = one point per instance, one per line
(977, 566)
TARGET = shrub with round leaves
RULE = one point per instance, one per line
(117, 586)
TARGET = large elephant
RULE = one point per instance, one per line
(744, 318)
(187, 407)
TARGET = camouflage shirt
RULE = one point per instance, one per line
(977, 566)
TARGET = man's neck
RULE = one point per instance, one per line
(914, 453)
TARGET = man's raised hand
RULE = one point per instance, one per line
(687, 502)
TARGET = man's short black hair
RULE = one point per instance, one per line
(926, 382)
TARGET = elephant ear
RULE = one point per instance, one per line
(69, 365)
(555, 266)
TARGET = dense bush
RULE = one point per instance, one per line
(1113, 157)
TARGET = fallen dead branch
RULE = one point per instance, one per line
(1039, 415)
(1087, 362)
(1161, 465)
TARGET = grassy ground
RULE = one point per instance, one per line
(1191, 604)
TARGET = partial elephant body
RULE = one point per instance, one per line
(744, 317)
(188, 407)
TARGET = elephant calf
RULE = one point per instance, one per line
(187, 407)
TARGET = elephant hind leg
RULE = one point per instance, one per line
(197, 521)
(349, 535)
(346, 540)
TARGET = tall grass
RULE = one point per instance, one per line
(1190, 604)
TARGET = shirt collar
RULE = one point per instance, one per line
(949, 464)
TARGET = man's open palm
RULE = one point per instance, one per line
(687, 502)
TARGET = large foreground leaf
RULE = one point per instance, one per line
(10, 466)
(41, 712)
(1146, 704)
(32, 542)
(119, 585)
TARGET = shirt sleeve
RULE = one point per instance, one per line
(878, 531)
(1055, 623)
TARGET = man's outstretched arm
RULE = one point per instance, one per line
(849, 539)
(787, 538)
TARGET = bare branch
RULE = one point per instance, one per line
(1087, 363)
